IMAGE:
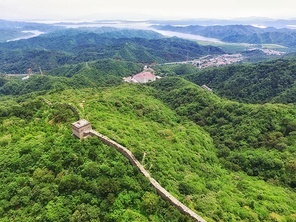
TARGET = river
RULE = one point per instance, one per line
(140, 25)
(123, 25)
(186, 36)
(34, 33)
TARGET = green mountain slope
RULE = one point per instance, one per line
(50, 52)
(287, 96)
(239, 33)
(11, 34)
(252, 83)
(105, 31)
(258, 139)
(98, 73)
(45, 167)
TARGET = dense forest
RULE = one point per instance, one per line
(269, 81)
(48, 175)
(258, 139)
(93, 74)
(225, 160)
(229, 154)
(61, 48)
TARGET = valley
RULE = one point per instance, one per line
(211, 128)
(32, 34)
(211, 61)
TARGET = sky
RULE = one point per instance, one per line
(138, 9)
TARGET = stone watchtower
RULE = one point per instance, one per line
(81, 128)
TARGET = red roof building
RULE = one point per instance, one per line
(144, 77)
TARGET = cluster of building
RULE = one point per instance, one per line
(208, 61)
(220, 60)
(147, 75)
(268, 51)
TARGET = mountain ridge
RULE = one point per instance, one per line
(239, 33)
(53, 51)
(180, 154)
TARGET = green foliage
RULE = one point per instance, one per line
(19, 60)
(50, 52)
(272, 81)
(99, 73)
(2, 81)
(48, 175)
(258, 139)
(239, 33)
(184, 69)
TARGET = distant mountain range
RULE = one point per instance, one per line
(89, 41)
(16, 25)
(72, 46)
(248, 30)
(239, 33)
(258, 21)
(13, 29)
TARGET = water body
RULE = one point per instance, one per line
(291, 26)
(34, 33)
(123, 25)
(187, 36)
(141, 25)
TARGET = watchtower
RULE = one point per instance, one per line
(81, 128)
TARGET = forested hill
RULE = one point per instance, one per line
(10, 30)
(258, 139)
(226, 160)
(99, 73)
(49, 175)
(109, 32)
(52, 51)
(272, 81)
(239, 33)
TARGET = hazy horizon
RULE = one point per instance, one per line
(89, 10)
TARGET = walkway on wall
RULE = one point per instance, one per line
(161, 191)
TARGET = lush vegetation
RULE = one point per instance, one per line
(258, 139)
(48, 175)
(226, 160)
(239, 33)
(92, 74)
(269, 81)
(52, 51)
(45, 167)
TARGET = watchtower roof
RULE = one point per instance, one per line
(80, 123)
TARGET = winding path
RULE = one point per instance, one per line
(161, 191)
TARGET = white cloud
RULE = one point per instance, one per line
(71, 9)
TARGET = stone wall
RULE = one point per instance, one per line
(160, 190)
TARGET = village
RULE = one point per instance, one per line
(210, 61)
(148, 74)
(220, 60)
(224, 59)
(267, 51)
